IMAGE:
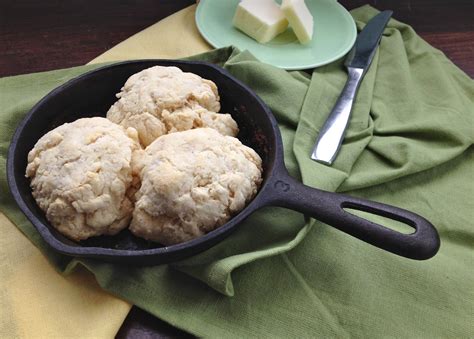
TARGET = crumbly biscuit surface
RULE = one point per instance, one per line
(191, 183)
(161, 100)
(81, 177)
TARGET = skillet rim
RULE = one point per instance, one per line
(181, 250)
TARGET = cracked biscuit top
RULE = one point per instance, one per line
(161, 100)
(191, 183)
(81, 177)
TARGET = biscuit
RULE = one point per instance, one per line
(161, 100)
(82, 179)
(191, 183)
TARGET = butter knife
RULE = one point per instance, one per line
(357, 63)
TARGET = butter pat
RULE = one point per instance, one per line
(260, 19)
(299, 18)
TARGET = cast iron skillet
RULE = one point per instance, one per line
(93, 93)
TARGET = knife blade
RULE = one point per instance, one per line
(357, 62)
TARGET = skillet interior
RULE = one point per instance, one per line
(91, 95)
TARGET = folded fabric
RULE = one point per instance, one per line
(408, 144)
(176, 36)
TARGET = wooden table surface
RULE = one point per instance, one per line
(45, 35)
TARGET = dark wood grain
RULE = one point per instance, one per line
(45, 35)
(140, 324)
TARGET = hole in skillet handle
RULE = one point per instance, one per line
(330, 207)
(395, 225)
(258, 129)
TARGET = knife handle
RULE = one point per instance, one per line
(332, 133)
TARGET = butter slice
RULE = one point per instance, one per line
(300, 19)
(260, 19)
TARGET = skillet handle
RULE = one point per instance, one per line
(329, 207)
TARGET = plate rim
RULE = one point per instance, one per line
(199, 10)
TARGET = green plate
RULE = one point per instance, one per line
(334, 34)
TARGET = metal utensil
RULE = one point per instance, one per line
(357, 62)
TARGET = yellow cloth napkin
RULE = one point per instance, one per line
(38, 302)
(173, 37)
(35, 300)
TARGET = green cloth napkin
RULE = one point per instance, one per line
(408, 144)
